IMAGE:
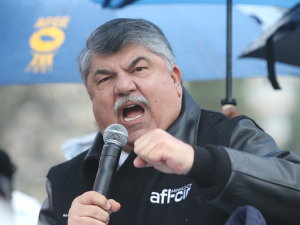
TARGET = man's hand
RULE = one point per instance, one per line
(91, 208)
(230, 111)
(164, 152)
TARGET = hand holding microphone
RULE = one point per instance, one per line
(156, 148)
(91, 206)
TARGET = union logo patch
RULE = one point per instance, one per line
(46, 41)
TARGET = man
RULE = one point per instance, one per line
(182, 167)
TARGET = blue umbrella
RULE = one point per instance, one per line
(228, 100)
(122, 3)
(40, 40)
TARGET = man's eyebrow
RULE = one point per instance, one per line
(136, 60)
(103, 72)
(131, 65)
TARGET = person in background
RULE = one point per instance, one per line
(230, 111)
(6, 187)
(16, 208)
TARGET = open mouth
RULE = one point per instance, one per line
(132, 112)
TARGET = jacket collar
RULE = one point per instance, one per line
(184, 128)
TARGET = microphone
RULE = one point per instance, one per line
(115, 137)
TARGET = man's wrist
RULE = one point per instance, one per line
(203, 167)
(189, 158)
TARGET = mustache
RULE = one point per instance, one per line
(130, 98)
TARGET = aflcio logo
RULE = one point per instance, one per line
(177, 195)
(46, 41)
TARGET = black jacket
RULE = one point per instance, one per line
(220, 180)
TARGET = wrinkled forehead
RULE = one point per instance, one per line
(126, 57)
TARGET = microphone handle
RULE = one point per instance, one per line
(107, 167)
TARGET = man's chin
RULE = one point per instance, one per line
(132, 137)
(136, 134)
(128, 148)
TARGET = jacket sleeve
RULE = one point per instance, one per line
(252, 171)
(47, 216)
(269, 183)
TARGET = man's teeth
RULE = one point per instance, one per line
(130, 106)
(129, 119)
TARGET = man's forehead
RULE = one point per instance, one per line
(108, 70)
(126, 58)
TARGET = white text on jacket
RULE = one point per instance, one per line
(167, 194)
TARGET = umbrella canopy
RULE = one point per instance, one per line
(121, 3)
(280, 43)
(40, 40)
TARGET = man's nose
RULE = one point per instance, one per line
(124, 84)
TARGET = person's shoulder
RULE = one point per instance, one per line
(213, 115)
(216, 119)
(220, 116)
(216, 128)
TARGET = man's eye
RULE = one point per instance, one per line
(104, 79)
(138, 69)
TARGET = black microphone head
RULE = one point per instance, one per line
(116, 133)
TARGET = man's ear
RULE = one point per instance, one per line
(176, 76)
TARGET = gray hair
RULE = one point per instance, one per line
(114, 35)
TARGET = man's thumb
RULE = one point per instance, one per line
(115, 206)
